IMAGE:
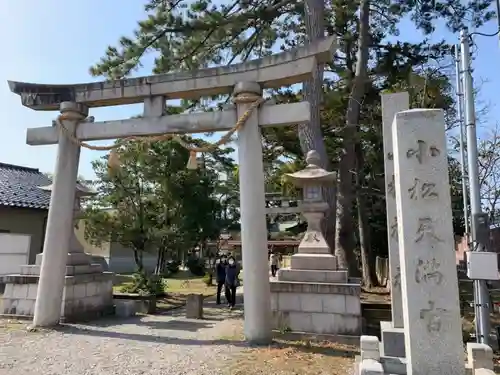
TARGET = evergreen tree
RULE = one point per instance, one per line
(199, 34)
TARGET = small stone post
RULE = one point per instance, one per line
(59, 222)
(431, 312)
(253, 222)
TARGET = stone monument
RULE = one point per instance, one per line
(88, 291)
(313, 296)
(245, 81)
(431, 312)
(392, 334)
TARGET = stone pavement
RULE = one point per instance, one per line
(160, 344)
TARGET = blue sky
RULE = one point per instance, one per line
(55, 41)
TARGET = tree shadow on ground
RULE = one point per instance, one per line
(88, 331)
(324, 348)
(178, 325)
(306, 347)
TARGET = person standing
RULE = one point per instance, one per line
(274, 263)
(232, 273)
(220, 272)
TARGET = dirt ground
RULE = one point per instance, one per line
(296, 358)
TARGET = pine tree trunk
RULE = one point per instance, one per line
(363, 227)
(344, 235)
(310, 135)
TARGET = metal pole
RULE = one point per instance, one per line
(480, 289)
(460, 114)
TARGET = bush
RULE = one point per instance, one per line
(196, 266)
(146, 284)
(172, 267)
(208, 279)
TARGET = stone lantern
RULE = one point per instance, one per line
(76, 254)
(313, 296)
(88, 290)
(314, 252)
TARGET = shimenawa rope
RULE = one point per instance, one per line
(114, 159)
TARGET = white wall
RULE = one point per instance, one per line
(14, 252)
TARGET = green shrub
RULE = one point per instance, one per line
(208, 279)
(145, 284)
(196, 266)
(172, 267)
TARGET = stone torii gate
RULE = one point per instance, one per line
(247, 78)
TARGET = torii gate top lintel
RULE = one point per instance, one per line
(272, 71)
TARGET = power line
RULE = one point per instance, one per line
(484, 34)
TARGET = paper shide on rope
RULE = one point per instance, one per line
(114, 157)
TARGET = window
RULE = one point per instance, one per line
(312, 193)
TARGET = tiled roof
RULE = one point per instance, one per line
(19, 187)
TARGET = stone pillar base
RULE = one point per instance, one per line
(479, 360)
(316, 307)
(393, 340)
(76, 258)
(304, 261)
(88, 293)
(312, 276)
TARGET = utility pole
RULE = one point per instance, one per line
(460, 94)
(478, 221)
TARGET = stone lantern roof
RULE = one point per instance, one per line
(313, 174)
(81, 190)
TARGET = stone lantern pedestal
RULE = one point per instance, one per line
(313, 295)
(88, 290)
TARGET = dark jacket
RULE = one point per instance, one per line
(220, 272)
(232, 272)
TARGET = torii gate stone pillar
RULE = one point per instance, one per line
(253, 220)
(248, 78)
(59, 221)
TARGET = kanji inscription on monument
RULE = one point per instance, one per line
(422, 190)
(427, 271)
(433, 332)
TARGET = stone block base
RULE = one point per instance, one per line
(325, 262)
(85, 296)
(125, 308)
(370, 362)
(319, 308)
(393, 340)
(288, 274)
(78, 258)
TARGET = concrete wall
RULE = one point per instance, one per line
(14, 252)
(101, 251)
(121, 260)
(25, 221)
(118, 258)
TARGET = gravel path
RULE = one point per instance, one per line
(168, 344)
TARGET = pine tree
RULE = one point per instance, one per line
(193, 35)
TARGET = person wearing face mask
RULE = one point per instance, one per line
(274, 260)
(220, 272)
(232, 273)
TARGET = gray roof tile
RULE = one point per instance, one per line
(19, 187)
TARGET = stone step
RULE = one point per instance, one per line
(287, 274)
(314, 262)
(34, 270)
(74, 259)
